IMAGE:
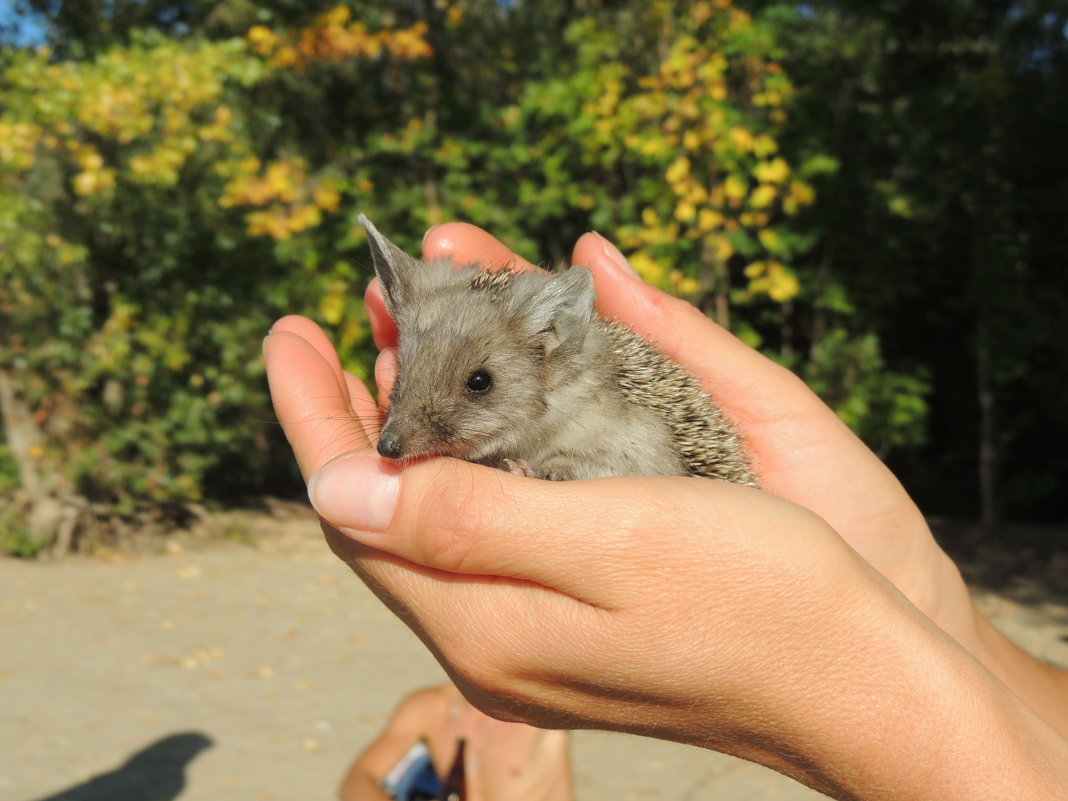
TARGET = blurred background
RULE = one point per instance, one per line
(873, 194)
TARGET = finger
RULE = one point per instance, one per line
(386, 374)
(312, 398)
(364, 406)
(313, 335)
(485, 633)
(383, 329)
(464, 243)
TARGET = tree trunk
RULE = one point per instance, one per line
(22, 435)
(988, 511)
(984, 381)
(51, 507)
(716, 274)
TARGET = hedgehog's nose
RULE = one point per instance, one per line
(389, 445)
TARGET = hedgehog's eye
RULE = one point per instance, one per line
(479, 381)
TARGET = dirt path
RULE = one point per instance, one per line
(256, 673)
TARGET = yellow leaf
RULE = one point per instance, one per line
(647, 267)
(332, 307)
(679, 169)
(721, 247)
(782, 284)
(262, 39)
(801, 194)
(772, 172)
(708, 220)
(652, 146)
(770, 239)
(735, 187)
(685, 211)
(91, 183)
(770, 98)
(90, 160)
(700, 12)
(224, 116)
(682, 284)
(338, 15)
(696, 194)
(741, 138)
(764, 146)
(763, 196)
(327, 198)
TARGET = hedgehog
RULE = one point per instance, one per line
(516, 370)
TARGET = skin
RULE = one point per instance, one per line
(503, 761)
(813, 626)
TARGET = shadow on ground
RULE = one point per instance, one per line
(155, 773)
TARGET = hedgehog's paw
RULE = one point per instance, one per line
(520, 467)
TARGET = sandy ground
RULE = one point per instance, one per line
(256, 672)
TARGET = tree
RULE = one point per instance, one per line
(941, 223)
(133, 293)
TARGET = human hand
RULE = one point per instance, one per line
(685, 609)
(326, 413)
(800, 448)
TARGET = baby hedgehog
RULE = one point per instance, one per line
(516, 370)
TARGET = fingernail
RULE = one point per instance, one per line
(428, 230)
(357, 491)
(616, 256)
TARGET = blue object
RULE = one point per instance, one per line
(414, 777)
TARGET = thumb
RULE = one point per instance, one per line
(453, 516)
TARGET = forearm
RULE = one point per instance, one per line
(359, 785)
(910, 716)
(1042, 687)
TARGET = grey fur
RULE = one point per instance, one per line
(572, 396)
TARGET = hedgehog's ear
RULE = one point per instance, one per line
(563, 309)
(393, 266)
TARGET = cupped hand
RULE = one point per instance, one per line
(685, 609)
(801, 450)
(681, 608)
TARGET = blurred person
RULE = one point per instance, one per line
(436, 745)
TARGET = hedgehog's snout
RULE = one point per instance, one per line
(390, 444)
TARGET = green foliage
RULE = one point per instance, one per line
(177, 176)
(9, 471)
(16, 540)
(886, 408)
(942, 224)
(123, 296)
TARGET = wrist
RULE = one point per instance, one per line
(1043, 687)
(908, 714)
